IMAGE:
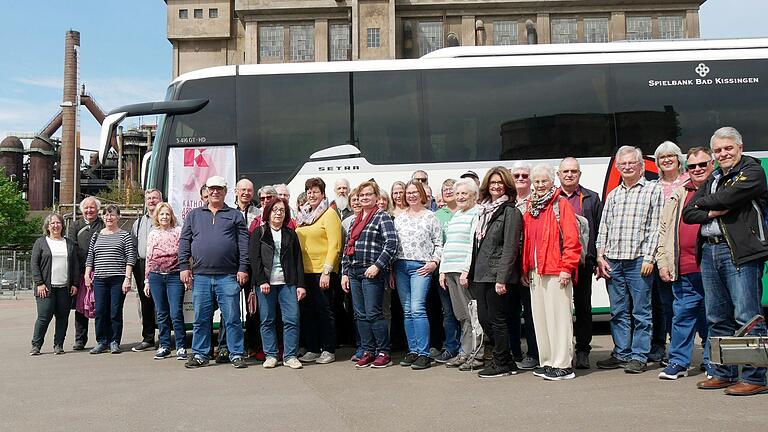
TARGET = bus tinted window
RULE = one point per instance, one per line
(283, 119)
(664, 101)
(215, 123)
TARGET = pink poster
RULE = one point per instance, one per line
(190, 167)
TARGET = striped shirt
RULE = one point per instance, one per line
(629, 227)
(108, 254)
(377, 244)
(459, 235)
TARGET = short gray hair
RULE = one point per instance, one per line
(469, 184)
(151, 190)
(629, 149)
(545, 169)
(267, 190)
(726, 132)
(668, 147)
(521, 165)
(341, 180)
(90, 198)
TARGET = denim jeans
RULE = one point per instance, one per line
(413, 290)
(57, 304)
(226, 290)
(109, 299)
(285, 295)
(628, 289)
(168, 296)
(689, 317)
(732, 296)
(519, 298)
(450, 323)
(367, 301)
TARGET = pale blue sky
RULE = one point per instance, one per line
(126, 58)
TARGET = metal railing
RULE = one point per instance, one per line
(15, 272)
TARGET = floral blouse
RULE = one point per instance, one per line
(419, 238)
(163, 251)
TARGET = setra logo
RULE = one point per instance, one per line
(702, 70)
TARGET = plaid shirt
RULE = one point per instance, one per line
(377, 244)
(629, 227)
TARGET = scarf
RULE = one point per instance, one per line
(307, 216)
(356, 230)
(537, 204)
(487, 209)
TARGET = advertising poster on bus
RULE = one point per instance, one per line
(190, 167)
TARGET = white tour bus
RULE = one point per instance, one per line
(456, 109)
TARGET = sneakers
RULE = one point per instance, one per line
(223, 356)
(635, 367)
(365, 361)
(293, 363)
(114, 348)
(657, 353)
(408, 359)
(78, 346)
(382, 360)
(421, 362)
(195, 362)
(528, 363)
(673, 372)
(542, 372)
(326, 357)
(99, 348)
(559, 374)
(239, 363)
(471, 364)
(35, 351)
(444, 357)
(181, 354)
(457, 361)
(582, 360)
(611, 363)
(142, 346)
(162, 353)
(270, 362)
(495, 370)
(309, 357)
(58, 350)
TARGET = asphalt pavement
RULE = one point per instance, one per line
(131, 392)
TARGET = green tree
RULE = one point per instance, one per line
(127, 194)
(15, 228)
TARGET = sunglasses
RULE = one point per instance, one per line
(521, 176)
(692, 167)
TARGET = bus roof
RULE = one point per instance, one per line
(517, 55)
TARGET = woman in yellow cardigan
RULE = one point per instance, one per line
(319, 230)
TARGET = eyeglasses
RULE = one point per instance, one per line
(692, 167)
(627, 164)
(668, 156)
(420, 179)
(278, 210)
(520, 176)
(412, 193)
(265, 198)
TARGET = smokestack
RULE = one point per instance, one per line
(533, 37)
(70, 151)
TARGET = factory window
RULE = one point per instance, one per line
(302, 42)
(430, 37)
(564, 30)
(213, 13)
(198, 14)
(504, 32)
(183, 13)
(639, 28)
(671, 27)
(271, 43)
(595, 30)
(374, 38)
(341, 42)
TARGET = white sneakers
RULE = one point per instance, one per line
(325, 358)
(291, 362)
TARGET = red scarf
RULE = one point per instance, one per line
(356, 230)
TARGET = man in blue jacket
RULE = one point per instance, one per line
(215, 238)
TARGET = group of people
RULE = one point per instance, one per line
(680, 255)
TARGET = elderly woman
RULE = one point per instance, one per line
(419, 251)
(450, 326)
(108, 271)
(278, 277)
(551, 254)
(384, 203)
(494, 267)
(397, 192)
(671, 164)
(319, 232)
(370, 247)
(163, 283)
(56, 273)
(454, 270)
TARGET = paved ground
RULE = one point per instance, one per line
(130, 392)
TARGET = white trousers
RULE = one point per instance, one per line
(551, 305)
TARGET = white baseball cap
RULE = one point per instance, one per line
(216, 181)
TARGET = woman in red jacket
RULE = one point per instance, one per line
(550, 260)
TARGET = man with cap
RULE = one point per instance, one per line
(216, 239)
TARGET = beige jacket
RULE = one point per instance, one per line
(668, 251)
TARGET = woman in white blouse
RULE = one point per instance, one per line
(418, 255)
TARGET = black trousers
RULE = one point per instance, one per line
(147, 304)
(56, 304)
(318, 322)
(81, 329)
(582, 302)
(492, 311)
(519, 298)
